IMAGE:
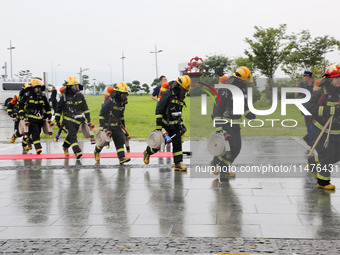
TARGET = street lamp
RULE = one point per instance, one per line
(156, 52)
(10, 50)
(122, 58)
(110, 73)
(81, 74)
(94, 87)
(55, 75)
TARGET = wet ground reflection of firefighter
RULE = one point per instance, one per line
(76, 201)
(34, 192)
(113, 196)
(229, 209)
(317, 209)
(167, 199)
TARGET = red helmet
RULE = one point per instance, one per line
(332, 71)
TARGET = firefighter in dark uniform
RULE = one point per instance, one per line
(111, 119)
(12, 110)
(35, 107)
(73, 110)
(325, 103)
(231, 130)
(169, 117)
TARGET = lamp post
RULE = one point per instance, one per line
(10, 50)
(81, 74)
(5, 67)
(94, 87)
(55, 75)
(122, 58)
(156, 52)
(110, 73)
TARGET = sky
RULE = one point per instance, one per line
(60, 37)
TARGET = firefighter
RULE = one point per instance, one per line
(324, 104)
(73, 110)
(230, 129)
(111, 119)
(164, 87)
(12, 110)
(169, 117)
(35, 107)
(108, 92)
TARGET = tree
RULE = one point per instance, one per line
(307, 53)
(242, 61)
(100, 87)
(155, 82)
(135, 86)
(146, 88)
(85, 81)
(215, 65)
(24, 74)
(267, 50)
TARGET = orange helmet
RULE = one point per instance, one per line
(223, 79)
(332, 71)
(62, 89)
(110, 89)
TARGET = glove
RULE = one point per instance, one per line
(250, 116)
(108, 132)
(183, 130)
(167, 139)
(49, 116)
(90, 125)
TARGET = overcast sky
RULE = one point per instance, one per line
(93, 34)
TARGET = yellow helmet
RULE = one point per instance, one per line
(72, 80)
(184, 81)
(35, 82)
(122, 87)
(243, 73)
(27, 85)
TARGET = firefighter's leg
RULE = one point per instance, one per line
(97, 151)
(71, 139)
(35, 130)
(147, 153)
(225, 161)
(117, 137)
(16, 133)
(327, 157)
(177, 149)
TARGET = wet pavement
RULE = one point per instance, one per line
(83, 207)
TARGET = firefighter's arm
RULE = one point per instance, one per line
(122, 119)
(247, 113)
(86, 110)
(22, 103)
(47, 108)
(219, 109)
(59, 111)
(315, 107)
(11, 105)
(104, 112)
(160, 109)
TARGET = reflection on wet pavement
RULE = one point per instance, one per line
(155, 202)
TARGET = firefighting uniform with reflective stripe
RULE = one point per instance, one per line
(12, 110)
(322, 106)
(167, 105)
(36, 108)
(73, 109)
(110, 118)
(228, 121)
